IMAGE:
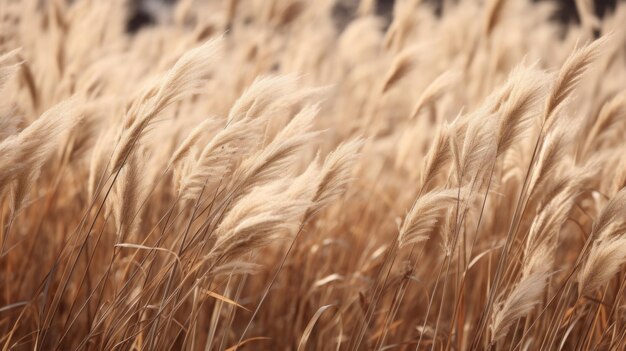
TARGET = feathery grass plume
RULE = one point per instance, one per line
(27, 151)
(437, 157)
(20, 189)
(260, 94)
(425, 214)
(446, 227)
(75, 116)
(278, 156)
(570, 75)
(538, 250)
(188, 75)
(494, 101)
(266, 214)
(281, 110)
(24, 180)
(307, 184)
(82, 137)
(98, 162)
(217, 158)
(519, 303)
(515, 112)
(402, 64)
(609, 248)
(591, 171)
(335, 173)
(477, 150)
(610, 116)
(190, 141)
(603, 262)
(510, 164)
(127, 197)
(552, 154)
(619, 181)
(236, 268)
(435, 90)
(611, 221)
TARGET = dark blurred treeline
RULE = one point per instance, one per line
(142, 10)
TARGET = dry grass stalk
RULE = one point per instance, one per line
(315, 207)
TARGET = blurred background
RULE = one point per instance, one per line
(149, 12)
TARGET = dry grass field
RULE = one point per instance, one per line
(306, 175)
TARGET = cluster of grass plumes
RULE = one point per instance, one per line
(254, 175)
